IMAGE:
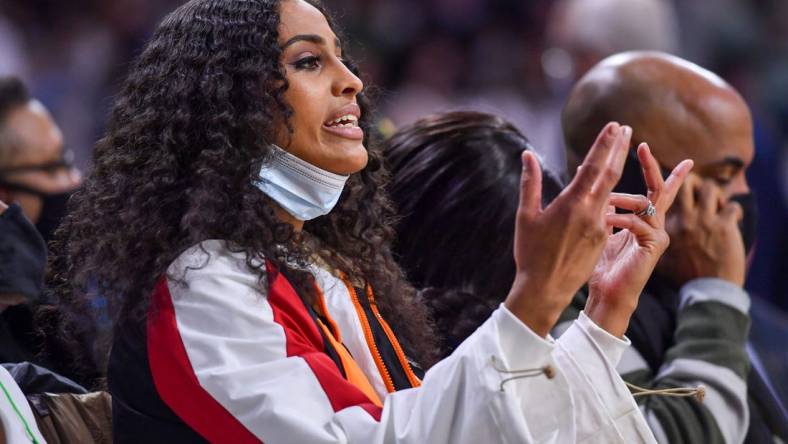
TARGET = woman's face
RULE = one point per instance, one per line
(322, 93)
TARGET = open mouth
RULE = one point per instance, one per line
(345, 126)
(346, 121)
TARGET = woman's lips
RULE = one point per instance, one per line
(344, 122)
(347, 132)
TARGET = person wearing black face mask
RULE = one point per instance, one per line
(35, 171)
(696, 299)
(36, 179)
(53, 204)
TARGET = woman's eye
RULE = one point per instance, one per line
(308, 63)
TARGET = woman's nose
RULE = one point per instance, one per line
(347, 83)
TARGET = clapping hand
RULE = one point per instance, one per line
(556, 248)
(630, 255)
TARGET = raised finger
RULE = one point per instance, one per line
(708, 199)
(686, 194)
(595, 160)
(651, 174)
(732, 212)
(611, 173)
(530, 185)
(677, 177)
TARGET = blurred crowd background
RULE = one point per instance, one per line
(518, 58)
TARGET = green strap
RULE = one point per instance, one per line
(18, 413)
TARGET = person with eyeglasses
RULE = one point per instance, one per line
(36, 172)
(36, 179)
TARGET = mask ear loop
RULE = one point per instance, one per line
(547, 370)
(698, 392)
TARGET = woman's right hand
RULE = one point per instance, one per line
(556, 248)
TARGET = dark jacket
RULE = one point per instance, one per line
(709, 338)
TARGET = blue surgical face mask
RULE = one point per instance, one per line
(300, 188)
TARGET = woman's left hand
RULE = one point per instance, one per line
(631, 254)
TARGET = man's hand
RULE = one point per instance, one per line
(556, 248)
(631, 254)
(3, 207)
(705, 236)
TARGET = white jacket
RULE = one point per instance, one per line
(16, 417)
(246, 356)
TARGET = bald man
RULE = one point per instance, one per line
(692, 328)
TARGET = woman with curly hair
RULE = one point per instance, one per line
(236, 221)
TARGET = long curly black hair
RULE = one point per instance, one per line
(186, 139)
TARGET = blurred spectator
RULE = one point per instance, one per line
(22, 249)
(583, 32)
(12, 61)
(35, 169)
(36, 178)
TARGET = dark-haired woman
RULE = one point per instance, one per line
(452, 177)
(236, 220)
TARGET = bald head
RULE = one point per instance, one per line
(682, 110)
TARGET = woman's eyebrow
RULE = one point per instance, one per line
(312, 38)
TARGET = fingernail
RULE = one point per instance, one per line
(626, 130)
(613, 129)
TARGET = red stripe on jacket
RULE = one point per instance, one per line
(180, 389)
(176, 382)
(304, 340)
